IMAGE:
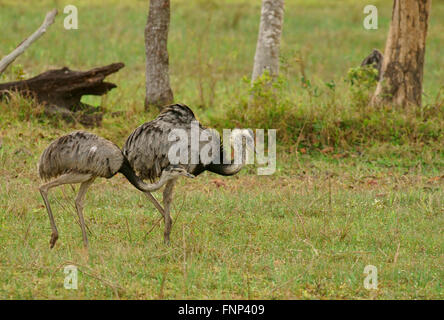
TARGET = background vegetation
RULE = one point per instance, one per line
(354, 185)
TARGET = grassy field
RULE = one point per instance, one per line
(353, 187)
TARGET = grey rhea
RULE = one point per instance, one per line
(148, 146)
(81, 157)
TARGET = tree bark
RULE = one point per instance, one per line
(403, 65)
(269, 39)
(158, 90)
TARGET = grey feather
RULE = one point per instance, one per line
(147, 147)
(80, 152)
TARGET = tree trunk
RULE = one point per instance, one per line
(402, 68)
(158, 90)
(268, 42)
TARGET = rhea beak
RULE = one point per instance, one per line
(189, 175)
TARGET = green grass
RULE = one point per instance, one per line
(306, 232)
(297, 234)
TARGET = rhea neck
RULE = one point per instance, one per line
(129, 173)
(227, 169)
(149, 187)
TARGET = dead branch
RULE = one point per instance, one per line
(7, 60)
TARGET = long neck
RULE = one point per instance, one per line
(150, 187)
(227, 169)
(129, 173)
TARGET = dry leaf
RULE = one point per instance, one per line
(219, 183)
(327, 150)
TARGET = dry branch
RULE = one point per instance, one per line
(6, 61)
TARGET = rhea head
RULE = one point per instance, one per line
(174, 171)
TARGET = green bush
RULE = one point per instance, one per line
(315, 116)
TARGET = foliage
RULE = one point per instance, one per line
(326, 120)
(362, 82)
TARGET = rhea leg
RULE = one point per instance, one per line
(68, 178)
(55, 233)
(155, 202)
(167, 199)
(79, 206)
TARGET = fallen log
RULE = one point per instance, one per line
(61, 91)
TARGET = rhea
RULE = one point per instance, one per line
(81, 157)
(147, 150)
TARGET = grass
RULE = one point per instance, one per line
(298, 234)
(354, 186)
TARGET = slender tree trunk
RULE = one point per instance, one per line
(158, 90)
(402, 68)
(269, 39)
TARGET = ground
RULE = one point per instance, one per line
(305, 232)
